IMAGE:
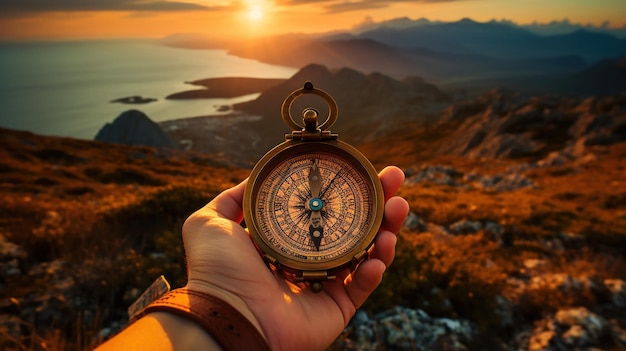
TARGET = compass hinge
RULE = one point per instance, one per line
(358, 258)
(315, 276)
(310, 136)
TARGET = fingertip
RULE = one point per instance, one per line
(391, 178)
(362, 282)
(396, 210)
(385, 247)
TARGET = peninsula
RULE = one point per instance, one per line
(226, 87)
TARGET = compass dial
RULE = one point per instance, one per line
(315, 206)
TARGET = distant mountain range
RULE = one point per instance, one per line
(497, 40)
(545, 29)
(451, 54)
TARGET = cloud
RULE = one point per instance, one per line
(31, 6)
(347, 6)
(336, 6)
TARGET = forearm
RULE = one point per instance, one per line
(161, 331)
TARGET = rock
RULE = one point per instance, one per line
(438, 230)
(555, 281)
(10, 268)
(619, 334)
(540, 340)
(533, 263)
(465, 227)
(507, 182)
(414, 223)
(135, 99)
(582, 327)
(10, 256)
(571, 239)
(569, 329)
(405, 329)
(443, 175)
(133, 127)
(514, 181)
(9, 250)
(555, 158)
(617, 288)
(494, 230)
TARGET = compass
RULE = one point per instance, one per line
(313, 204)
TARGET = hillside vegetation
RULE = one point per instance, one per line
(515, 238)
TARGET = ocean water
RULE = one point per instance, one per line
(65, 88)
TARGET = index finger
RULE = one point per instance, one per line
(228, 204)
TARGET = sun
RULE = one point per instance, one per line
(255, 12)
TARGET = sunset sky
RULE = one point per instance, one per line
(77, 19)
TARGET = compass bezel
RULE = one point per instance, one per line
(286, 151)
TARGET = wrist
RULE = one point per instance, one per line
(226, 324)
(232, 299)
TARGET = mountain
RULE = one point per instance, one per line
(564, 26)
(603, 78)
(463, 54)
(370, 105)
(498, 40)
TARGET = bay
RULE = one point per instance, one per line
(65, 88)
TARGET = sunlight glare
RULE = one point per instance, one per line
(255, 12)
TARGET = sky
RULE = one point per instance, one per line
(83, 19)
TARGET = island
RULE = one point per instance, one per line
(226, 87)
(135, 99)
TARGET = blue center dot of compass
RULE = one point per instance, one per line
(316, 204)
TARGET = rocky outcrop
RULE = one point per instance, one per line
(401, 328)
(133, 127)
(504, 124)
(512, 179)
(405, 329)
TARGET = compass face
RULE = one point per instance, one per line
(315, 205)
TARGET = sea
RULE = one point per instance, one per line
(65, 88)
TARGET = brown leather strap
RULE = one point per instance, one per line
(227, 326)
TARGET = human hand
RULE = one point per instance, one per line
(223, 261)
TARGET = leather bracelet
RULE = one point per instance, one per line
(226, 325)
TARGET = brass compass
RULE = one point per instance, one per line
(313, 204)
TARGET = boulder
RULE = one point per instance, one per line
(405, 329)
(414, 223)
(570, 329)
(133, 127)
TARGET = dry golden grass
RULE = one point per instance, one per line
(112, 215)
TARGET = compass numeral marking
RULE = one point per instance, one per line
(278, 206)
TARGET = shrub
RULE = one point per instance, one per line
(443, 275)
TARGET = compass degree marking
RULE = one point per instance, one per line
(345, 206)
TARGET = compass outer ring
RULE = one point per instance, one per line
(284, 151)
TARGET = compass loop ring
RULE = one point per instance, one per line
(309, 89)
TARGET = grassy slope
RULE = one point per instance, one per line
(112, 215)
(98, 223)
